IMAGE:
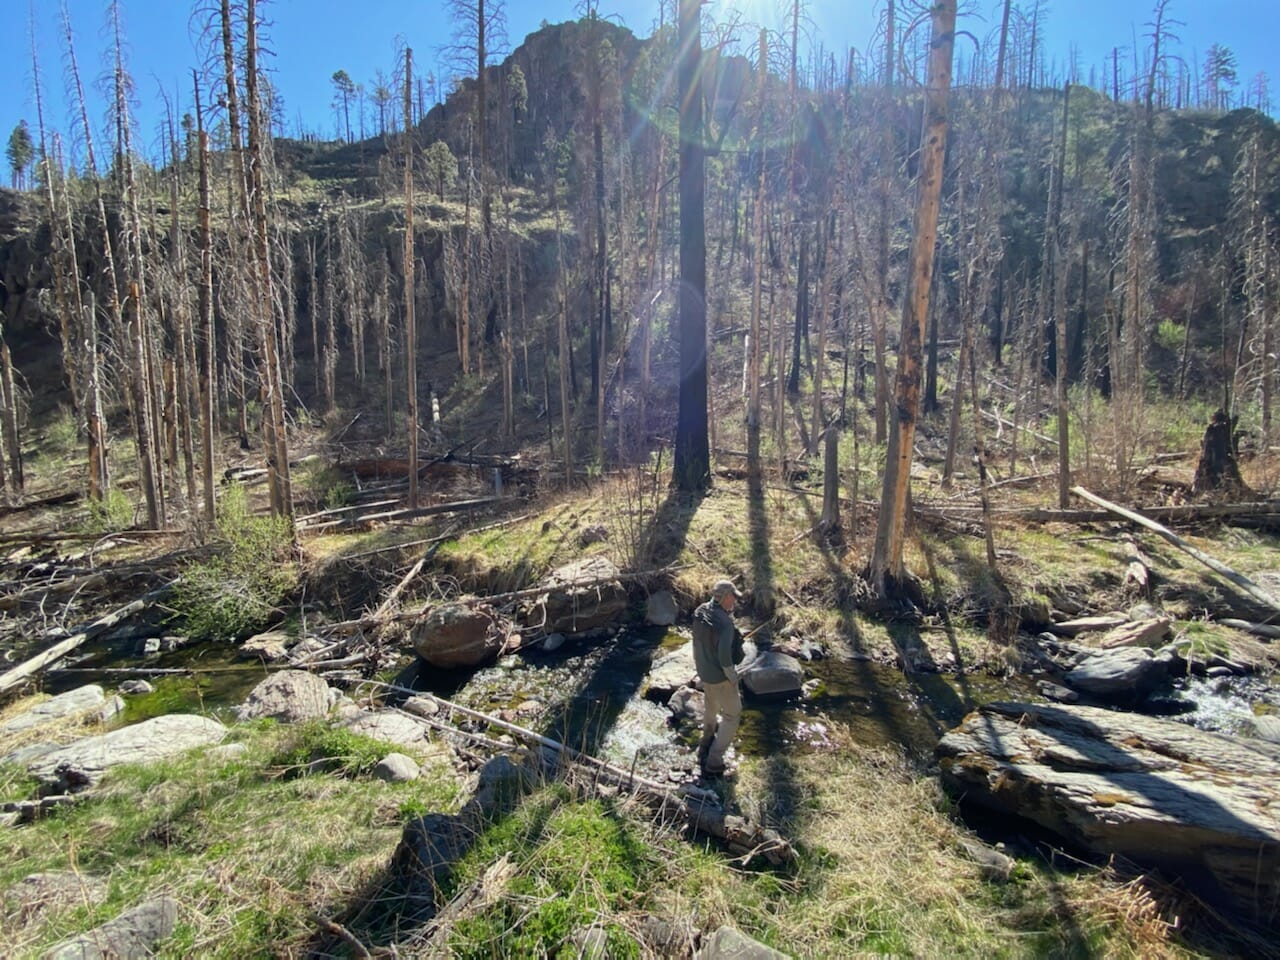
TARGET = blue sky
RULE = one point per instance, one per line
(310, 39)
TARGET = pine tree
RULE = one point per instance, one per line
(20, 152)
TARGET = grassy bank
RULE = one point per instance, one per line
(262, 849)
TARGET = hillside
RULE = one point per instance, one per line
(424, 590)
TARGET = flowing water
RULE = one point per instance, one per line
(590, 696)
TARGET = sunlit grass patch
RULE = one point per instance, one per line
(250, 855)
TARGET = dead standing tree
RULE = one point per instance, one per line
(410, 316)
(692, 469)
(886, 572)
(273, 422)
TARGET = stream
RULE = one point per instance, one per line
(590, 696)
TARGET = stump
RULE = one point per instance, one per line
(1218, 469)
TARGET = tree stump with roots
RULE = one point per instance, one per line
(1219, 470)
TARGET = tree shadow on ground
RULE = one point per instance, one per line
(404, 898)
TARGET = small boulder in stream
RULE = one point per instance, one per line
(1123, 675)
(670, 672)
(1159, 792)
(772, 673)
(269, 647)
(661, 609)
(456, 635)
(580, 596)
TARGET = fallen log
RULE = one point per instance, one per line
(1267, 631)
(438, 539)
(57, 500)
(339, 511)
(390, 601)
(18, 674)
(33, 538)
(700, 808)
(350, 626)
(1069, 628)
(1182, 513)
(456, 506)
(1231, 576)
(1001, 421)
(1137, 571)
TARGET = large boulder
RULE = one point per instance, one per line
(661, 609)
(290, 696)
(1123, 675)
(771, 672)
(454, 635)
(1156, 791)
(82, 763)
(580, 596)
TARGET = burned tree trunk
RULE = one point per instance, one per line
(1218, 469)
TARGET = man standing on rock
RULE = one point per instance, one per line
(713, 637)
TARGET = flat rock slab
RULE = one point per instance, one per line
(670, 672)
(730, 944)
(56, 890)
(1156, 791)
(146, 742)
(74, 702)
(1151, 632)
(133, 934)
(390, 726)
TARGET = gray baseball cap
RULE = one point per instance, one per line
(724, 587)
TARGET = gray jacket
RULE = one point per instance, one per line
(713, 643)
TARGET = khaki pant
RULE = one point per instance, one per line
(722, 700)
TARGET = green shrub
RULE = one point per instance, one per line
(326, 487)
(1170, 334)
(112, 513)
(335, 749)
(234, 593)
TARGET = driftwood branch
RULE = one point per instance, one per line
(29, 668)
(1221, 569)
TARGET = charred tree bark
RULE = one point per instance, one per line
(1218, 469)
(692, 467)
(208, 342)
(886, 570)
(273, 422)
(410, 315)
